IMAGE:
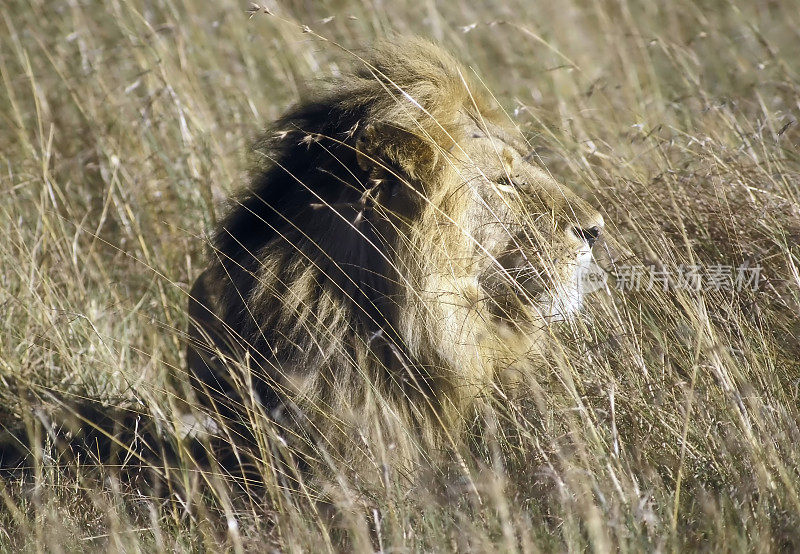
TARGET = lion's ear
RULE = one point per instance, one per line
(385, 148)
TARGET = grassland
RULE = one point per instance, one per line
(667, 420)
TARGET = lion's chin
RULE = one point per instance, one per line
(566, 301)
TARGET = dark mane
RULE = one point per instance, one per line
(308, 194)
(308, 200)
(292, 158)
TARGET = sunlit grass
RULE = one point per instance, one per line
(664, 420)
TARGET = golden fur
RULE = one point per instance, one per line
(395, 257)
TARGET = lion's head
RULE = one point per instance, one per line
(397, 251)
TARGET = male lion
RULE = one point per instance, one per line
(396, 256)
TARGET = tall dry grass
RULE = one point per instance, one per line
(667, 420)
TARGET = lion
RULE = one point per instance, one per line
(396, 257)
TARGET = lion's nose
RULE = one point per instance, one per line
(588, 234)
